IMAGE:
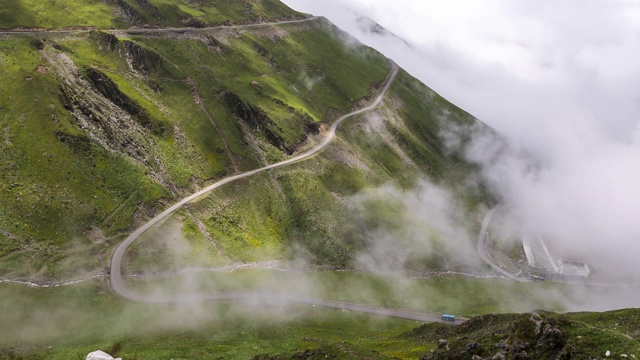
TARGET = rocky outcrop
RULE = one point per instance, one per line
(102, 121)
(264, 53)
(126, 11)
(140, 59)
(144, 13)
(521, 337)
(110, 90)
(257, 119)
(105, 39)
(148, 8)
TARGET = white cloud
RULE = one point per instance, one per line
(426, 224)
(560, 79)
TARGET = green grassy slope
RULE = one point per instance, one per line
(311, 203)
(101, 133)
(55, 182)
(126, 13)
(86, 317)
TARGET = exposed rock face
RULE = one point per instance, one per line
(260, 121)
(141, 59)
(126, 11)
(150, 9)
(104, 114)
(257, 119)
(106, 39)
(111, 91)
(264, 53)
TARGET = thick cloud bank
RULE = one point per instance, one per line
(560, 80)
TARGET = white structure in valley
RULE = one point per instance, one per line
(543, 265)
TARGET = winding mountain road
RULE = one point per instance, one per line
(483, 251)
(119, 287)
(115, 275)
(138, 31)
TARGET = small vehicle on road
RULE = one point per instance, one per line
(447, 317)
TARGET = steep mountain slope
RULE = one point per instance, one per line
(104, 129)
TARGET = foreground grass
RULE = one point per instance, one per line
(244, 338)
(77, 319)
(62, 323)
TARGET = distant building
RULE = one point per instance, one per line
(542, 265)
(576, 268)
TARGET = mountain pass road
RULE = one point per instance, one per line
(119, 287)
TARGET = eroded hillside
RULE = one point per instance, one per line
(102, 130)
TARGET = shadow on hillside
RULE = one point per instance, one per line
(13, 14)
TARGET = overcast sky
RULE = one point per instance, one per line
(560, 79)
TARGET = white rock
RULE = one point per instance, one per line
(100, 355)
